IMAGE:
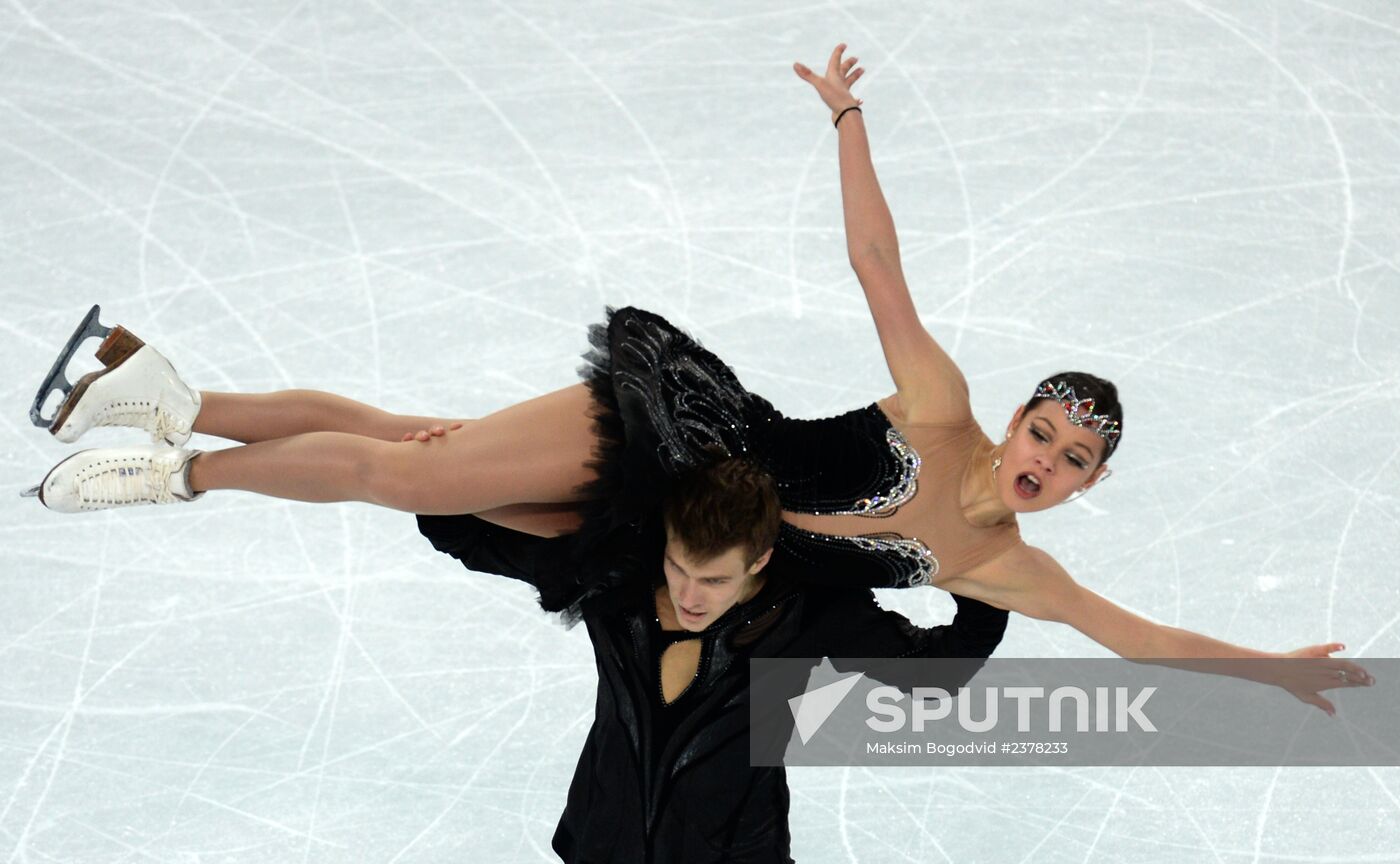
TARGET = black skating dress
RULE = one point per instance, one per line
(663, 404)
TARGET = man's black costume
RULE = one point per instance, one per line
(672, 783)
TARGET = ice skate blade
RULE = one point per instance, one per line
(57, 379)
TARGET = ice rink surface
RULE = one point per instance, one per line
(421, 205)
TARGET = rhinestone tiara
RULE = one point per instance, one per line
(1080, 412)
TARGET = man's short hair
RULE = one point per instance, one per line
(726, 503)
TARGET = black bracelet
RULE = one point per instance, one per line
(837, 121)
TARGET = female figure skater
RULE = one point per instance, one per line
(906, 491)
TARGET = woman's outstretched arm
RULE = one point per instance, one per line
(930, 385)
(1045, 590)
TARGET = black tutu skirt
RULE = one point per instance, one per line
(663, 404)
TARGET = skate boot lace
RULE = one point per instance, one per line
(125, 481)
(142, 414)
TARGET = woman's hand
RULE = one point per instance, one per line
(426, 434)
(835, 86)
(1306, 680)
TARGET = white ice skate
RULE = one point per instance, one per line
(118, 477)
(138, 388)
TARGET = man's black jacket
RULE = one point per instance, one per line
(700, 801)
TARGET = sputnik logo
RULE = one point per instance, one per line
(811, 709)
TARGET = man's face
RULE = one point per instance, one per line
(703, 591)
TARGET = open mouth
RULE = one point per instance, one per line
(1027, 485)
(686, 612)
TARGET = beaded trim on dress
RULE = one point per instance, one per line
(905, 486)
(920, 564)
(891, 548)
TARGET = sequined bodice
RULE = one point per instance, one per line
(908, 528)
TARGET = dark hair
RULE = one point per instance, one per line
(727, 503)
(1087, 386)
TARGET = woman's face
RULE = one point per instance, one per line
(1046, 459)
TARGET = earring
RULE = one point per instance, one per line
(1107, 472)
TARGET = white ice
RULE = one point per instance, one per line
(421, 205)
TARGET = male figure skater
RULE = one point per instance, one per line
(664, 775)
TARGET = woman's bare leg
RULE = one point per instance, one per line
(542, 520)
(531, 453)
(254, 417)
